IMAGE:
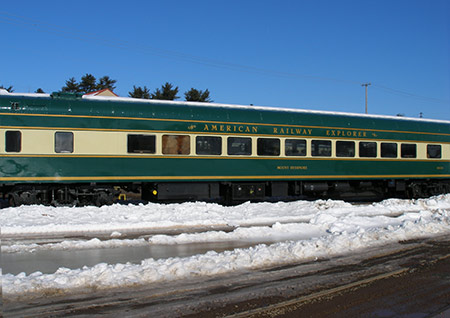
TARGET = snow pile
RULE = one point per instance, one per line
(276, 232)
(125, 218)
(73, 245)
(313, 230)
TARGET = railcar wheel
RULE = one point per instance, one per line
(103, 198)
(14, 200)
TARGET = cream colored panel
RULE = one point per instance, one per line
(224, 146)
(97, 142)
(333, 148)
(2, 141)
(421, 151)
(158, 144)
(308, 148)
(282, 147)
(446, 151)
(38, 141)
(254, 146)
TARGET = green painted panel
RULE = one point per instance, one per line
(210, 118)
(148, 169)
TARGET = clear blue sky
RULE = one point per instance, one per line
(299, 54)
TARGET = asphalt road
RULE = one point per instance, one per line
(406, 279)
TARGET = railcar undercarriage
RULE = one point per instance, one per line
(227, 193)
(60, 195)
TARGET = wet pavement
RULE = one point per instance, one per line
(406, 279)
(48, 261)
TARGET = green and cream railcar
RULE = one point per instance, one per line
(69, 149)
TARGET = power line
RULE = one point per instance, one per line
(126, 45)
(407, 94)
(13, 19)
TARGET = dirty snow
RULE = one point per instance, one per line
(291, 232)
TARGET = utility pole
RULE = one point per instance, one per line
(366, 84)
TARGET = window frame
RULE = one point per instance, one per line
(410, 153)
(434, 146)
(217, 148)
(295, 141)
(181, 141)
(242, 153)
(364, 152)
(262, 148)
(60, 146)
(383, 150)
(13, 141)
(348, 154)
(136, 145)
(318, 143)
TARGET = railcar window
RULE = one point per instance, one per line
(434, 151)
(63, 142)
(141, 144)
(388, 150)
(321, 148)
(207, 145)
(408, 150)
(368, 149)
(13, 141)
(239, 146)
(345, 148)
(176, 145)
(268, 147)
(295, 147)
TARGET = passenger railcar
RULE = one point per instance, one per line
(72, 149)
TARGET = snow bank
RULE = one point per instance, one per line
(323, 229)
(122, 218)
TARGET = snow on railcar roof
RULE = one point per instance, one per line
(251, 107)
(231, 106)
(5, 92)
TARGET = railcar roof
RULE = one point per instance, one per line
(266, 108)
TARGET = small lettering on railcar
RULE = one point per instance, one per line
(292, 131)
(292, 167)
(346, 133)
(231, 128)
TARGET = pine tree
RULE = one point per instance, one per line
(139, 92)
(9, 89)
(88, 83)
(194, 95)
(71, 86)
(39, 91)
(167, 92)
(106, 82)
